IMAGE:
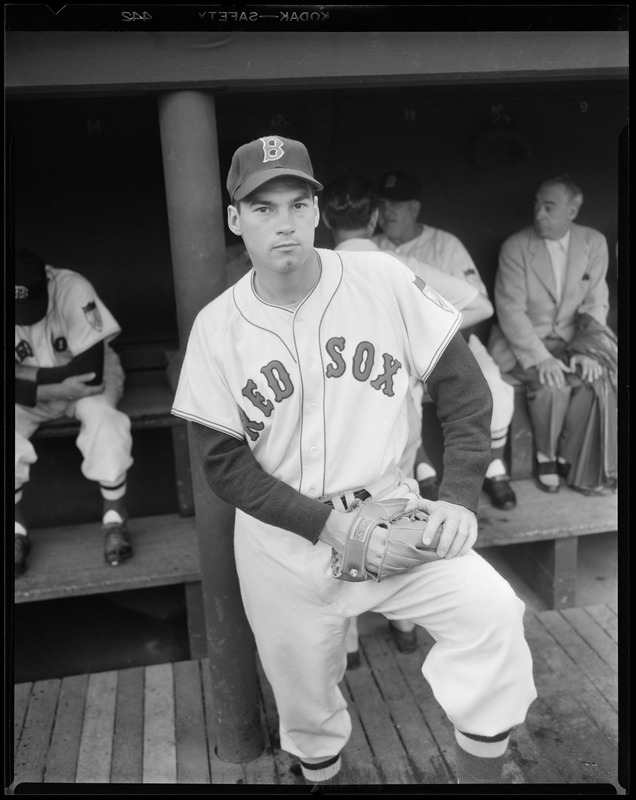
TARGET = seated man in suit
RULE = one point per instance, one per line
(549, 275)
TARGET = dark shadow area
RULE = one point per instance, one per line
(97, 633)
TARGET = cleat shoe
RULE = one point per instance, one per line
(500, 492)
(405, 641)
(22, 550)
(117, 546)
(429, 488)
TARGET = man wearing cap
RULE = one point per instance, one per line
(403, 233)
(65, 367)
(294, 381)
(350, 211)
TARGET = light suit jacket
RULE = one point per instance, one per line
(525, 294)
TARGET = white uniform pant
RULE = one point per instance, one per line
(503, 405)
(104, 439)
(479, 669)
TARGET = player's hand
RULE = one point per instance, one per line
(552, 372)
(74, 387)
(590, 370)
(458, 523)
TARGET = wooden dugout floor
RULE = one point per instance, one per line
(149, 725)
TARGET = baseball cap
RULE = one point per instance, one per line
(31, 293)
(399, 186)
(269, 157)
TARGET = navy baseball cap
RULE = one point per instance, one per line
(31, 293)
(269, 157)
(399, 186)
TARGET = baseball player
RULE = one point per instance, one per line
(65, 367)
(295, 382)
(403, 234)
(350, 211)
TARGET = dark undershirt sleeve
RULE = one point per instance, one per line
(463, 400)
(26, 392)
(235, 476)
(92, 360)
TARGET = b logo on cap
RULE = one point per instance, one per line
(21, 292)
(272, 149)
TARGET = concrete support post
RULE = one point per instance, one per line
(196, 219)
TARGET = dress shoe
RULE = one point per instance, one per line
(405, 641)
(500, 492)
(429, 488)
(548, 469)
(563, 468)
(117, 546)
(22, 550)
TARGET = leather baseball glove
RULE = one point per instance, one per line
(402, 547)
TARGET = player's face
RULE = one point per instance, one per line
(398, 219)
(277, 222)
(554, 210)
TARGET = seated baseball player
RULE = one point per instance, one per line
(295, 383)
(350, 210)
(403, 233)
(65, 367)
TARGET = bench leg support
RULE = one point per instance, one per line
(183, 472)
(549, 568)
(196, 621)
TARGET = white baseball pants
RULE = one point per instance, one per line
(104, 439)
(479, 669)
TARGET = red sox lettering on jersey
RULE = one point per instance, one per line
(276, 376)
(281, 384)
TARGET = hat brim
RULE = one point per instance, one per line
(259, 178)
(28, 312)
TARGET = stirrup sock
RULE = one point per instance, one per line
(321, 771)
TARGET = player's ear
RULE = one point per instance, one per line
(415, 208)
(316, 212)
(373, 220)
(234, 220)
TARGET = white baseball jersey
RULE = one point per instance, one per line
(440, 249)
(318, 391)
(456, 290)
(76, 320)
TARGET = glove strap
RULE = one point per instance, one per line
(368, 517)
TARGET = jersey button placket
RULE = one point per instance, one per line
(311, 450)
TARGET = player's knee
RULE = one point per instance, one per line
(495, 605)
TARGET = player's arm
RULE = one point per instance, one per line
(478, 310)
(236, 477)
(463, 402)
(464, 408)
(81, 377)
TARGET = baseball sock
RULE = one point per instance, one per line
(480, 759)
(424, 471)
(114, 502)
(497, 466)
(315, 769)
